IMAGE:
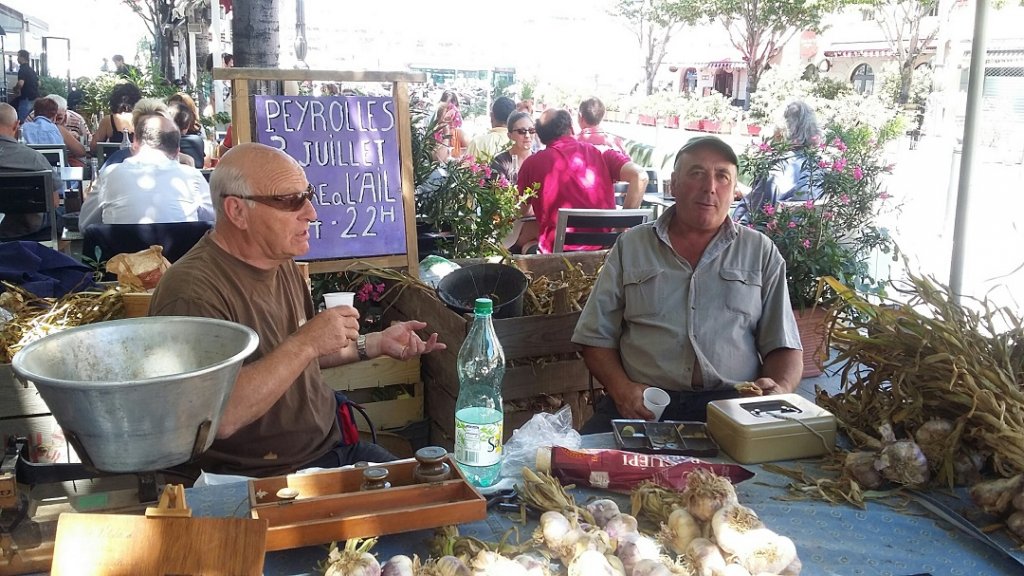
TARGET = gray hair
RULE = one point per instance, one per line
(516, 117)
(148, 107)
(228, 180)
(62, 103)
(801, 124)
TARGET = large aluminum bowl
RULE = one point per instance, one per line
(140, 394)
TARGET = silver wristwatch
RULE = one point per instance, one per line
(361, 347)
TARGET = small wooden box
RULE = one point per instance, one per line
(332, 507)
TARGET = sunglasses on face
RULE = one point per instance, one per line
(525, 131)
(285, 203)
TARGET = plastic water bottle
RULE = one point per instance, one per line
(126, 141)
(478, 411)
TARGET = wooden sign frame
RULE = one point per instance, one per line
(242, 118)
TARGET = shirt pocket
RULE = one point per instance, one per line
(742, 291)
(642, 289)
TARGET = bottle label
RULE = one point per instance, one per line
(477, 444)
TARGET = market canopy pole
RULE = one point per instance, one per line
(972, 129)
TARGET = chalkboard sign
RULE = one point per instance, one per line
(348, 146)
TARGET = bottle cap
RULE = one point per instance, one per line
(483, 306)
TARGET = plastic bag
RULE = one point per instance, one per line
(542, 430)
(433, 268)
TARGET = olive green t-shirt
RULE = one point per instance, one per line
(302, 425)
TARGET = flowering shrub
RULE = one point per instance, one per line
(478, 205)
(835, 234)
(370, 291)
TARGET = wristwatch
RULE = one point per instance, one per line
(361, 347)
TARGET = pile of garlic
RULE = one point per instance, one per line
(721, 537)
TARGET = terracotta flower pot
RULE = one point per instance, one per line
(672, 121)
(753, 129)
(647, 120)
(693, 125)
(710, 126)
(811, 325)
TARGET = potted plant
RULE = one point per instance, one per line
(835, 233)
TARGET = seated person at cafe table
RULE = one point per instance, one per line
(692, 303)
(17, 157)
(281, 416)
(151, 186)
(573, 174)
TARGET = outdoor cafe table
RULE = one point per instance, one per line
(898, 539)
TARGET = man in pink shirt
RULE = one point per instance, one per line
(572, 174)
(590, 116)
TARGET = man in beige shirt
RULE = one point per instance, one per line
(491, 143)
(692, 303)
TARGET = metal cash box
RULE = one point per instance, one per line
(770, 428)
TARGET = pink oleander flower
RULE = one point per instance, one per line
(839, 165)
(750, 225)
(828, 215)
(764, 147)
(487, 171)
(806, 243)
(469, 159)
(839, 144)
(884, 196)
(483, 182)
(792, 224)
(503, 182)
(822, 164)
(769, 209)
(809, 204)
(844, 199)
(858, 173)
(474, 168)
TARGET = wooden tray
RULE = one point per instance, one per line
(331, 506)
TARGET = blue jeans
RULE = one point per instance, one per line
(24, 108)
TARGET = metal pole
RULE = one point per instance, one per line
(972, 128)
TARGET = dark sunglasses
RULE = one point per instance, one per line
(525, 131)
(286, 202)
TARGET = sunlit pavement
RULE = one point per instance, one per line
(923, 226)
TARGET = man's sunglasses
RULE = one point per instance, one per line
(525, 131)
(286, 203)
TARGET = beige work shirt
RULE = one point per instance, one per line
(667, 318)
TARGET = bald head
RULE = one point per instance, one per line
(160, 133)
(553, 124)
(8, 120)
(253, 169)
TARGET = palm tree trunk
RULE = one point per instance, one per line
(255, 33)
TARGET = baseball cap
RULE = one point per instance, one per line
(709, 142)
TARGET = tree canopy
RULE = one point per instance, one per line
(654, 22)
(760, 28)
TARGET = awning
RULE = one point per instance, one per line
(859, 50)
(718, 64)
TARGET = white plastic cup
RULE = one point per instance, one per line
(656, 400)
(334, 299)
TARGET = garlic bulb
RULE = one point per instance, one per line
(967, 465)
(903, 462)
(450, 566)
(706, 492)
(399, 565)
(732, 526)
(860, 466)
(620, 525)
(535, 565)
(706, 557)
(735, 570)
(487, 563)
(554, 527)
(994, 496)
(603, 510)
(635, 547)
(933, 438)
(591, 563)
(651, 568)
(352, 560)
(679, 531)
(1016, 523)
(769, 553)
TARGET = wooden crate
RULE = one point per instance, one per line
(331, 507)
(363, 382)
(24, 413)
(542, 358)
